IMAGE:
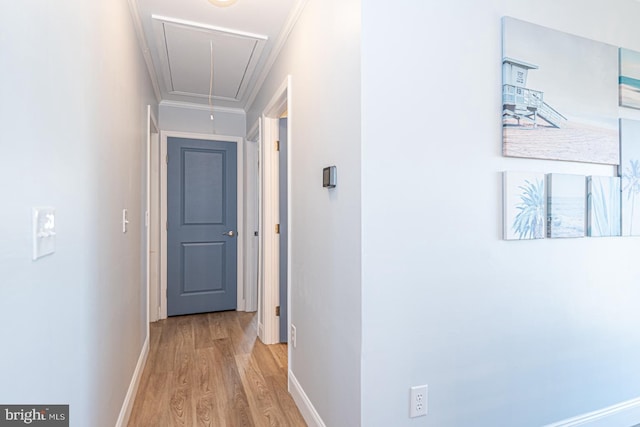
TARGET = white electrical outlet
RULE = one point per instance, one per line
(418, 401)
(293, 335)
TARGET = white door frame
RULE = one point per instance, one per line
(164, 135)
(252, 216)
(152, 245)
(269, 250)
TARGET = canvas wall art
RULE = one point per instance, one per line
(566, 205)
(524, 205)
(559, 94)
(630, 173)
(629, 82)
(603, 206)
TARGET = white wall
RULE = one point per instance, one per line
(72, 120)
(197, 119)
(323, 57)
(504, 333)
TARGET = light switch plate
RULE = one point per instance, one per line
(44, 232)
(125, 220)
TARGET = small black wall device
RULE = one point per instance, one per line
(329, 178)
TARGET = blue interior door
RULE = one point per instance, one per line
(202, 226)
(284, 231)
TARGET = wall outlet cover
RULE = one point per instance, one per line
(418, 401)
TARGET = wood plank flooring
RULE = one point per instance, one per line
(211, 370)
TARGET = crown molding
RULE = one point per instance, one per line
(292, 19)
(193, 24)
(144, 46)
(199, 95)
(254, 131)
(201, 107)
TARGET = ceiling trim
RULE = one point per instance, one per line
(199, 95)
(160, 24)
(292, 19)
(144, 46)
(193, 24)
(200, 107)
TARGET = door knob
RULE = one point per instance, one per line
(229, 233)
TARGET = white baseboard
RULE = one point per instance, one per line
(261, 331)
(305, 406)
(127, 405)
(623, 414)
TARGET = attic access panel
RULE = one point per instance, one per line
(187, 58)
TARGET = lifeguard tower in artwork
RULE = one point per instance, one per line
(521, 103)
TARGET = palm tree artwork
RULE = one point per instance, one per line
(631, 186)
(524, 203)
(529, 222)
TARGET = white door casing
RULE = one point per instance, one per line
(251, 217)
(268, 322)
(152, 217)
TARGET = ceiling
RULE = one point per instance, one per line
(196, 49)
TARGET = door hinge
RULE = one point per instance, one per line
(278, 311)
(166, 225)
(277, 145)
(277, 228)
(166, 159)
(255, 233)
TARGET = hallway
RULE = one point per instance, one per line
(211, 370)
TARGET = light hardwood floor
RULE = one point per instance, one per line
(211, 370)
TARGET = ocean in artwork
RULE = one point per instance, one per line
(631, 82)
(629, 78)
(566, 205)
(629, 92)
(566, 217)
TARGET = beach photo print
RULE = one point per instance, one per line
(559, 95)
(629, 78)
(566, 204)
